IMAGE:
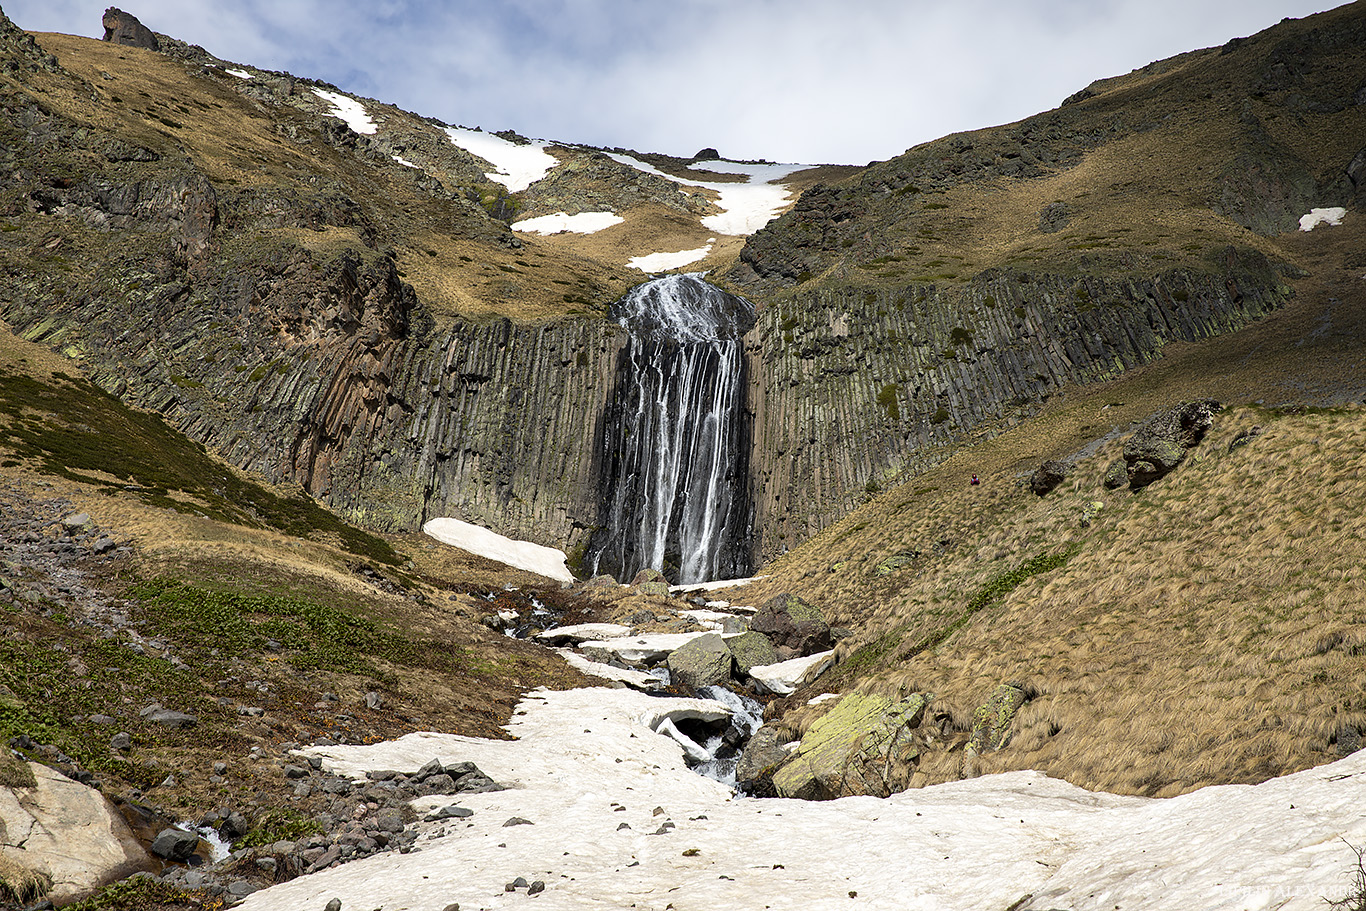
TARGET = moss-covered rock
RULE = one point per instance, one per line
(865, 745)
(752, 649)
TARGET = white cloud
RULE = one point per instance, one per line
(796, 80)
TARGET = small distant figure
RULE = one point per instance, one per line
(974, 482)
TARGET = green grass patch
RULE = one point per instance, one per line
(887, 399)
(279, 825)
(70, 427)
(139, 893)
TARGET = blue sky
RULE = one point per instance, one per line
(844, 81)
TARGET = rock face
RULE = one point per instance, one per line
(1161, 443)
(66, 834)
(763, 755)
(852, 385)
(124, 28)
(865, 745)
(704, 661)
(796, 627)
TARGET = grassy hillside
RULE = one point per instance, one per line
(1203, 630)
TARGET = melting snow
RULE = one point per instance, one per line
(519, 166)
(714, 585)
(240, 74)
(747, 207)
(348, 110)
(663, 262)
(981, 843)
(546, 561)
(403, 161)
(1330, 216)
(583, 223)
(784, 677)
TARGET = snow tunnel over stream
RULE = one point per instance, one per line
(674, 460)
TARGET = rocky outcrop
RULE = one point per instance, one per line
(866, 744)
(1160, 445)
(64, 838)
(991, 724)
(852, 386)
(124, 28)
(795, 626)
(1048, 476)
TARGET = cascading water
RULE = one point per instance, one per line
(676, 436)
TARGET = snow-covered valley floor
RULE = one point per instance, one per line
(618, 821)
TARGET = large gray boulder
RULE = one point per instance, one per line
(704, 661)
(866, 744)
(795, 626)
(64, 837)
(1161, 443)
(752, 649)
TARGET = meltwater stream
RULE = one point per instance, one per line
(675, 461)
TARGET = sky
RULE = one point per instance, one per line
(811, 81)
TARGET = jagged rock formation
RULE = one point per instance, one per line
(124, 28)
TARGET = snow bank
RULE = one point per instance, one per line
(584, 632)
(663, 262)
(519, 166)
(714, 585)
(642, 650)
(545, 561)
(638, 679)
(584, 763)
(784, 677)
(1330, 216)
(348, 110)
(583, 223)
(747, 207)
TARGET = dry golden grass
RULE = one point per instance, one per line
(1204, 631)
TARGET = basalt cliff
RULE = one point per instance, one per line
(353, 312)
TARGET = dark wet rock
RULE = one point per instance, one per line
(174, 844)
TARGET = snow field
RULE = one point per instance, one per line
(663, 262)
(747, 206)
(585, 761)
(349, 111)
(583, 223)
(518, 166)
(545, 561)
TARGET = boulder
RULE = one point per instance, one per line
(866, 744)
(765, 752)
(704, 661)
(175, 844)
(750, 650)
(64, 839)
(1116, 475)
(1161, 443)
(1048, 476)
(795, 626)
(124, 28)
(1054, 217)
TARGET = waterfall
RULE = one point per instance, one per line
(675, 464)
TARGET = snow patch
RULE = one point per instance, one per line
(583, 223)
(746, 207)
(403, 161)
(349, 111)
(714, 585)
(582, 762)
(240, 74)
(784, 677)
(663, 262)
(545, 561)
(519, 166)
(1332, 215)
